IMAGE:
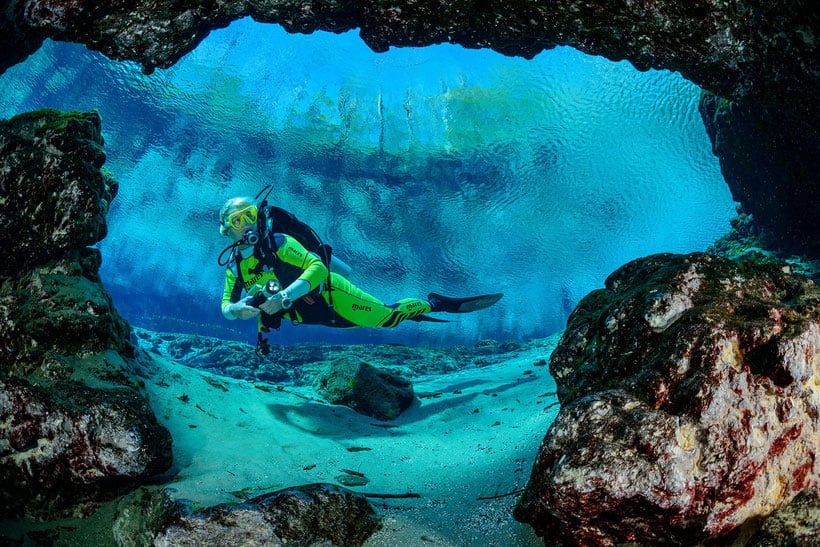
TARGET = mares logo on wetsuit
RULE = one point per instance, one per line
(359, 307)
(252, 281)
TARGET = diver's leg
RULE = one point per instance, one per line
(364, 310)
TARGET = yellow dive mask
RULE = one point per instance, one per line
(238, 219)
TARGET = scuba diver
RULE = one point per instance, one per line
(287, 272)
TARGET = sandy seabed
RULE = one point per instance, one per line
(468, 441)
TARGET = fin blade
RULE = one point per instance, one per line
(423, 318)
(466, 304)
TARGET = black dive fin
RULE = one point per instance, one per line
(462, 305)
(421, 318)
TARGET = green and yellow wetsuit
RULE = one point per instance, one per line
(337, 304)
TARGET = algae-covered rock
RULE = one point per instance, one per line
(54, 313)
(55, 194)
(690, 397)
(142, 515)
(314, 514)
(797, 524)
(75, 427)
(365, 388)
(70, 442)
(53, 204)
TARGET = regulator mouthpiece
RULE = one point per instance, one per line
(250, 237)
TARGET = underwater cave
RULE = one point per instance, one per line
(457, 170)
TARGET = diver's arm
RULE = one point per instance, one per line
(284, 299)
(240, 310)
(313, 273)
(228, 294)
(297, 289)
(232, 306)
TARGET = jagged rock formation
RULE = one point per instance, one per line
(690, 394)
(736, 49)
(759, 56)
(314, 514)
(55, 194)
(223, 357)
(74, 425)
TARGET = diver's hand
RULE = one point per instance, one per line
(243, 309)
(273, 304)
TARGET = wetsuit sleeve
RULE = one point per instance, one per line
(231, 293)
(292, 252)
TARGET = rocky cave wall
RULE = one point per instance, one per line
(757, 62)
(75, 425)
(76, 428)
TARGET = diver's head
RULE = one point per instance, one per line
(238, 218)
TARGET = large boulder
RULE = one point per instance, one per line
(690, 394)
(368, 390)
(75, 426)
(68, 445)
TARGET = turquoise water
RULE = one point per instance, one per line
(440, 168)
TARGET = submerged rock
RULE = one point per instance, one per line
(690, 394)
(797, 524)
(373, 392)
(69, 442)
(314, 514)
(75, 427)
(55, 194)
(53, 205)
(224, 357)
(300, 364)
(770, 162)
